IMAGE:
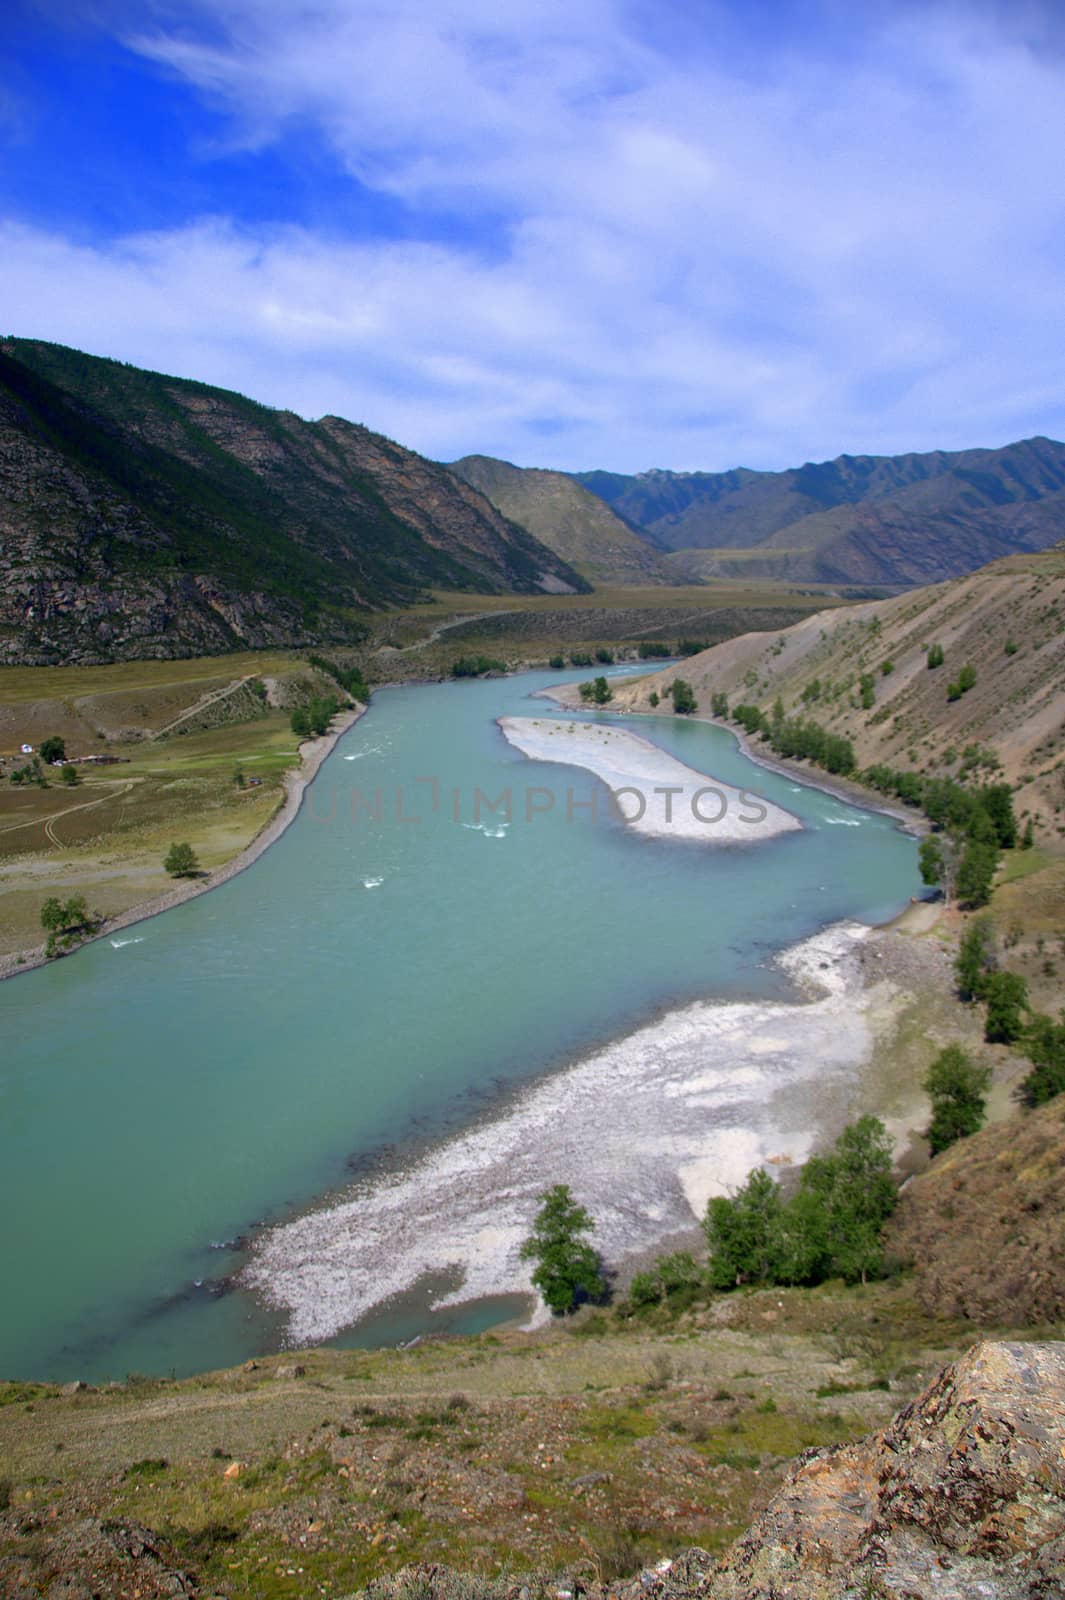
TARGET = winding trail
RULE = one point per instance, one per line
(48, 823)
(202, 705)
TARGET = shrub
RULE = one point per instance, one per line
(601, 692)
(719, 703)
(957, 1087)
(935, 655)
(652, 698)
(477, 666)
(580, 658)
(558, 662)
(684, 700)
(652, 648)
(69, 775)
(605, 656)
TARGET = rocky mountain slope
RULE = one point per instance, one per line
(142, 515)
(568, 518)
(983, 1225)
(1006, 622)
(894, 520)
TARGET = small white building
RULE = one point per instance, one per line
(27, 749)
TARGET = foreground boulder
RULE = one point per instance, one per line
(961, 1497)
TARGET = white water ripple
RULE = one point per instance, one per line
(644, 1131)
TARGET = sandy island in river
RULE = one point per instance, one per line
(653, 792)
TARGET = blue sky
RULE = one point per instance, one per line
(574, 233)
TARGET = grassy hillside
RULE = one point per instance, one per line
(151, 516)
(887, 520)
(568, 518)
(577, 1453)
(1005, 622)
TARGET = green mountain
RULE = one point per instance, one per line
(568, 518)
(145, 515)
(897, 520)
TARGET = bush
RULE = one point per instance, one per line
(580, 658)
(957, 1087)
(477, 666)
(683, 698)
(558, 662)
(719, 703)
(601, 692)
(652, 698)
(605, 656)
(962, 684)
(69, 775)
(567, 1269)
(935, 655)
(651, 649)
(180, 861)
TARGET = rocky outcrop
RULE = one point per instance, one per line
(962, 1497)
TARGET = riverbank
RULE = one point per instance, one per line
(644, 1130)
(313, 753)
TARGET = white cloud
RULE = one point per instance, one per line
(681, 264)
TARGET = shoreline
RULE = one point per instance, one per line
(645, 1128)
(295, 783)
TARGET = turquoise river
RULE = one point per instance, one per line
(366, 990)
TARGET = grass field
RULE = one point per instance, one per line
(590, 1448)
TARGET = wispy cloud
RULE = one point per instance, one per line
(675, 250)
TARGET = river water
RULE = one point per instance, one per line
(373, 985)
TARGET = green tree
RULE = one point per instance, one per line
(652, 698)
(601, 692)
(1044, 1045)
(930, 859)
(69, 775)
(567, 1268)
(180, 861)
(975, 958)
(743, 1233)
(1006, 994)
(935, 655)
(719, 703)
(957, 1088)
(854, 1190)
(1028, 836)
(683, 698)
(301, 722)
(558, 662)
(53, 749)
(976, 873)
(65, 922)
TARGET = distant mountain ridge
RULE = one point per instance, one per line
(142, 514)
(897, 520)
(568, 518)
